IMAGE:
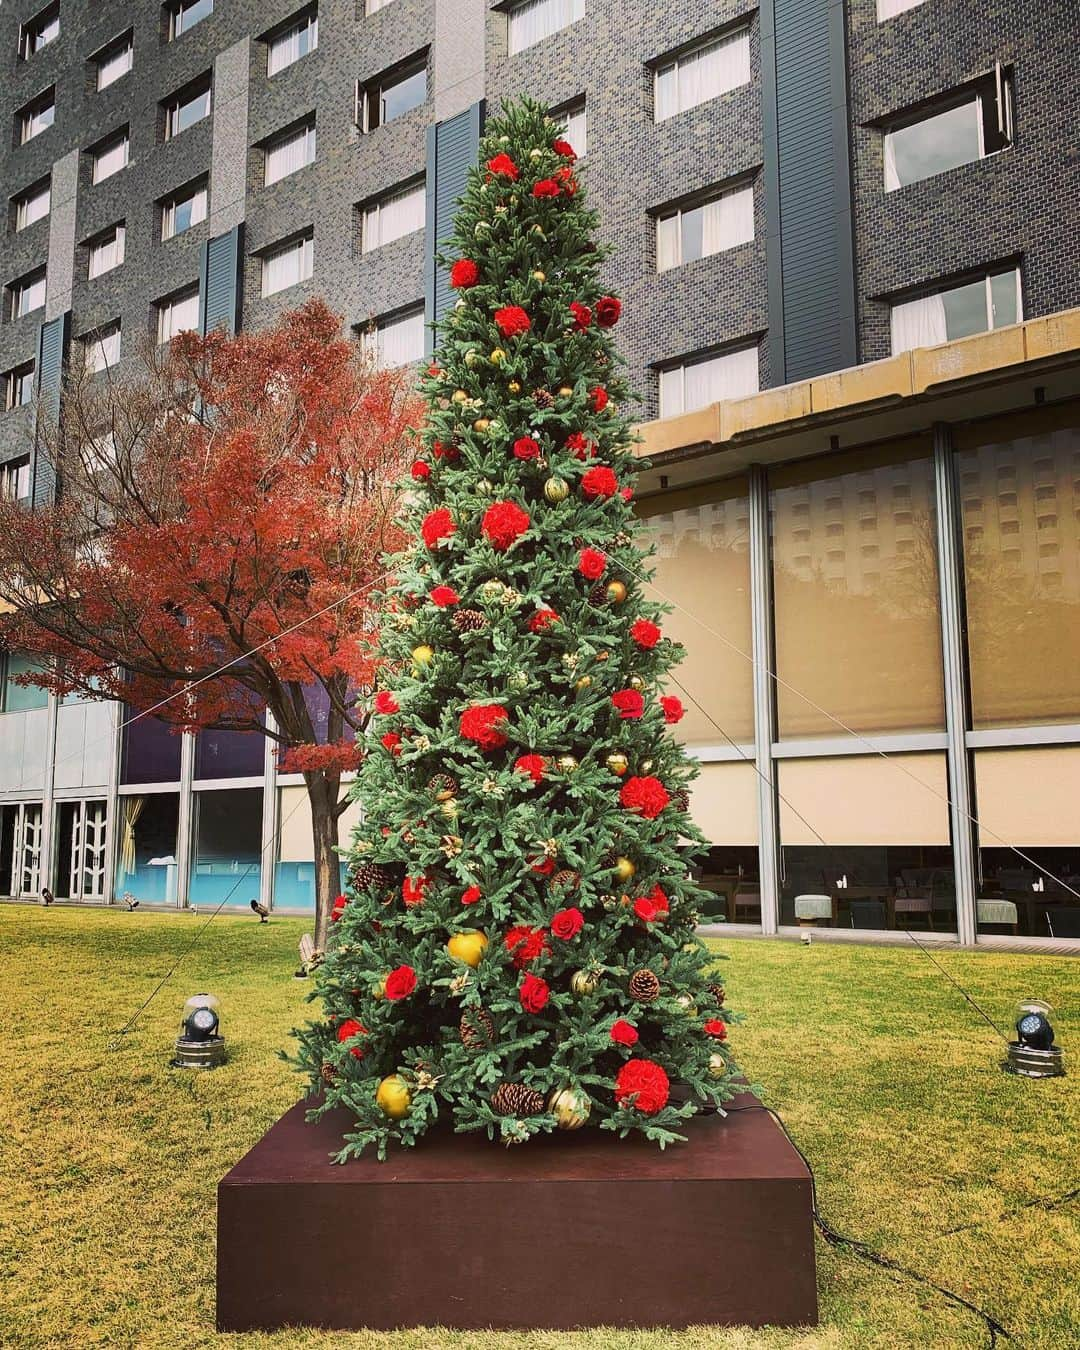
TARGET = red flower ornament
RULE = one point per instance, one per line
(503, 166)
(629, 704)
(591, 563)
(339, 908)
(464, 274)
(442, 596)
(503, 524)
(644, 796)
(645, 633)
(608, 310)
(567, 923)
(533, 993)
(392, 741)
(386, 703)
(420, 470)
(531, 765)
(412, 891)
(714, 1027)
(564, 148)
(484, 723)
(437, 526)
(643, 1085)
(512, 320)
(526, 448)
(599, 481)
(542, 619)
(400, 983)
(673, 709)
(582, 314)
(598, 397)
(622, 1033)
(471, 895)
(546, 187)
(348, 1029)
(525, 944)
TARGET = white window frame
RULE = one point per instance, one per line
(114, 61)
(669, 231)
(198, 196)
(906, 307)
(28, 205)
(406, 326)
(889, 9)
(101, 349)
(281, 144)
(105, 252)
(168, 325)
(534, 20)
(38, 31)
(738, 361)
(282, 50)
(37, 117)
(671, 99)
(87, 860)
(28, 294)
(109, 157)
(179, 103)
(380, 222)
(15, 479)
(13, 384)
(178, 25)
(287, 265)
(373, 6)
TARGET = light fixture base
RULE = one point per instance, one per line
(1028, 1062)
(208, 1054)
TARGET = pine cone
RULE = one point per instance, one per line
(598, 594)
(717, 991)
(469, 621)
(476, 1029)
(369, 876)
(328, 1074)
(680, 799)
(515, 1099)
(543, 398)
(564, 882)
(442, 786)
(644, 986)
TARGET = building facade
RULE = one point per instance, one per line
(846, 234)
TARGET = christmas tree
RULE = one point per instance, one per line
(516, 951)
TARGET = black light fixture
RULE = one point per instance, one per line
(1033, 1054)
(200, 1044)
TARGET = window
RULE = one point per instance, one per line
(288, 46)
(101, 349)
(701, 74)
(698, 231)
(371, 6)
(227, 846)
(16, 697)
(18, 386)
(37, 116)
(287, 265)
(110, 157)
(887, 9)
(574, 128)
(290, 151)
(978, 125)
(398, 214)
(15, 479)
(33, 204)
(114, 61)
(699, 383)
(958, 311)
(185, 208)
(537, 19)
(391, 96)
(398, 341)
(27, 294)
(185, 109)
(39, 31)
(105, 252)
(186, 14)
(81, 836)
(177, 313)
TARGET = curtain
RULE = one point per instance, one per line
(289, 155)
(713, 70)
(398, 215)
(133, 808)
(287, 267)
(112, 67)
(111, 160)
(108, 254)
(918, 323)
(291, 46)
(732, 375)
(176, 316)
(401, 341)
(892, 174)
(575, 131)
(667, 243)
(728, 221)
(886, 9)
(537, 19)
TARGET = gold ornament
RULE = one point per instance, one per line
(498, 356)
(461, 303)
(514, 386)
(584, 682)
(584, 982)
(618, 763)
(565, 391)
(567, 764)
(624, 869)
(536, 229)
(517, 679)
(636, 682)
(609, 902)
(616, 592)
(491, 590)
(686, 1003)
(535, 154)
(450, 809)
(646, 765)
(481, 424)
(556, 489)
(471, 357)
(422, 656)
(717, 1065)
(467, 947)
(539, 276)
(378, 990)
(602, 656)
(393, 1097)
(460, 396)
(570, 1107)
(485, 487)
(451, 845)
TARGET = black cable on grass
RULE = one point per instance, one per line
(984, 1015)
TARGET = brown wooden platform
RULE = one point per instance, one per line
(580, 1229)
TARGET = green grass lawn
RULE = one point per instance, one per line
(888, 1080)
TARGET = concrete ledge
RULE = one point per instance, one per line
(871, 383)
(968, 356)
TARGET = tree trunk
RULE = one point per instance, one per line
(323, 795)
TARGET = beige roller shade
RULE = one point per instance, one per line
(1028, 797)
(296, 845)
(723, 803)
(866, 800)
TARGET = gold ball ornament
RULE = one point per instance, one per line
(570, 1107)
(616, 592)
(539, 276)
(584, 682)
(624, 869)
(556, 490)
(514, 386)
(422, 656)
(566, 764)
(393, 1097)
(535, 154)
(717, 1065)
(537, 229)
(468, 947)
(584, 982)
(636, 682)
(617, 762)
(497, 357)
(492, 590)
(517, 679)
(450, 809)
(481, 425)
(485, 487)
(378, 990)
(565, 391)
(459, 396)
(687, 1004)
(460, 303)
(646, 765)
(471, 357)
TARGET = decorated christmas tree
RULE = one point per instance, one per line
(516, 949)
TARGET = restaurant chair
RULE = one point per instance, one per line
(869, 914)
(1063, 921)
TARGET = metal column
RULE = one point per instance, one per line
(764, 702)
(269, 850)
(185, 821)
(950, 581)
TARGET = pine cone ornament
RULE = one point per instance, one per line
(680, 799)
(598, 595)
(328, 1074)
(543, 398)
(476, 1029)
(369, 876)
(515, 1099)
(717, 991)
(644, 986)
(442, 786)
(564, 882)
(469, 621)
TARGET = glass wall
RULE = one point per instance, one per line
(229, 754)
(294, 876)
(855, 590)
(227, 846)
(724, 803)
(865, 842)
(1020, 490)
(150, 752)
(15, 697)
(146, 858)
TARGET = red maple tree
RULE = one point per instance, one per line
(220, 526)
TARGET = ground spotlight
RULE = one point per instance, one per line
(1033, 1054)
(200, 1044)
